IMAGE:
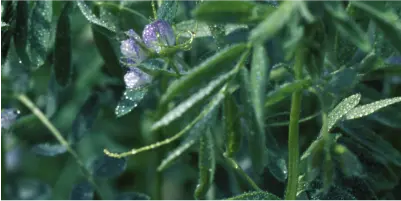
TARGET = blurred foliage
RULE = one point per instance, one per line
(213, 123)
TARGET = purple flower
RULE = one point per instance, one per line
(135, 78)
(8, 117)
(157, 34)
(131, 50)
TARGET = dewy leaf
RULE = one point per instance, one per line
(130, 100)
(167, 11)
(207, 165)
(21, 31)
(92, 18)
(370, 108)
(208, 68)
(62, 49)
(48, 149)
(222, 12)
(40, 32)
(85, 118)
(256, 195)
(192, 101)
(274, 22)
(259, 76)
(342, 109)
(232, 123)
(108, 167)
(195, 133)
(132, 196)
(82, 191)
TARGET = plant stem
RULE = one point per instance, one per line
(56, 133)
(241, 172)
(293, 134)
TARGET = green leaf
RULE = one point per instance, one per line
(208, 68)
(199, 129)
(62, 49)
(130, 100)
(275, 22)
(132, 196)
(285, 90)
(207, 165)
(342, 109)
(201, 29)
(106, 50)
(232, 125)
(108, 167)
(85, 118)
(256, 136)
(194, 100)
(40, 32)
(346, 26)
(49, 149)
(367, 109)
(154, 68)
(21, 31)
(105, 27)
(385, 19)
(167, 11)
(82, 191)
(256, 195)
(222, 12)
(259, 77)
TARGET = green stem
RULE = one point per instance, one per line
(241, 172)
(35, 110)
(293, 134)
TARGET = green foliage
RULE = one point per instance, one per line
(298, 98)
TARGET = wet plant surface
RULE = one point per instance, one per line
(200, 100)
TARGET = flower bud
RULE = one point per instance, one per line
(157, 34)
(8, 117)
(131, 50)
(135, 78)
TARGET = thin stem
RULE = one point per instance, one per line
(154, 9)
(293, 134)
(56, 133)
(241, 172)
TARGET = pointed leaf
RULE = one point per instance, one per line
(167, 11)
(48, 149)
(40, 32)
(130, 100)
(208, 68)
(342, 109)
(207, 165)
(108, 167)
(285, 90)
(82, 191)
(367, 109)
(256, 195)
(132, 196)
(62, 49)
(232, 125)
(192, 101)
